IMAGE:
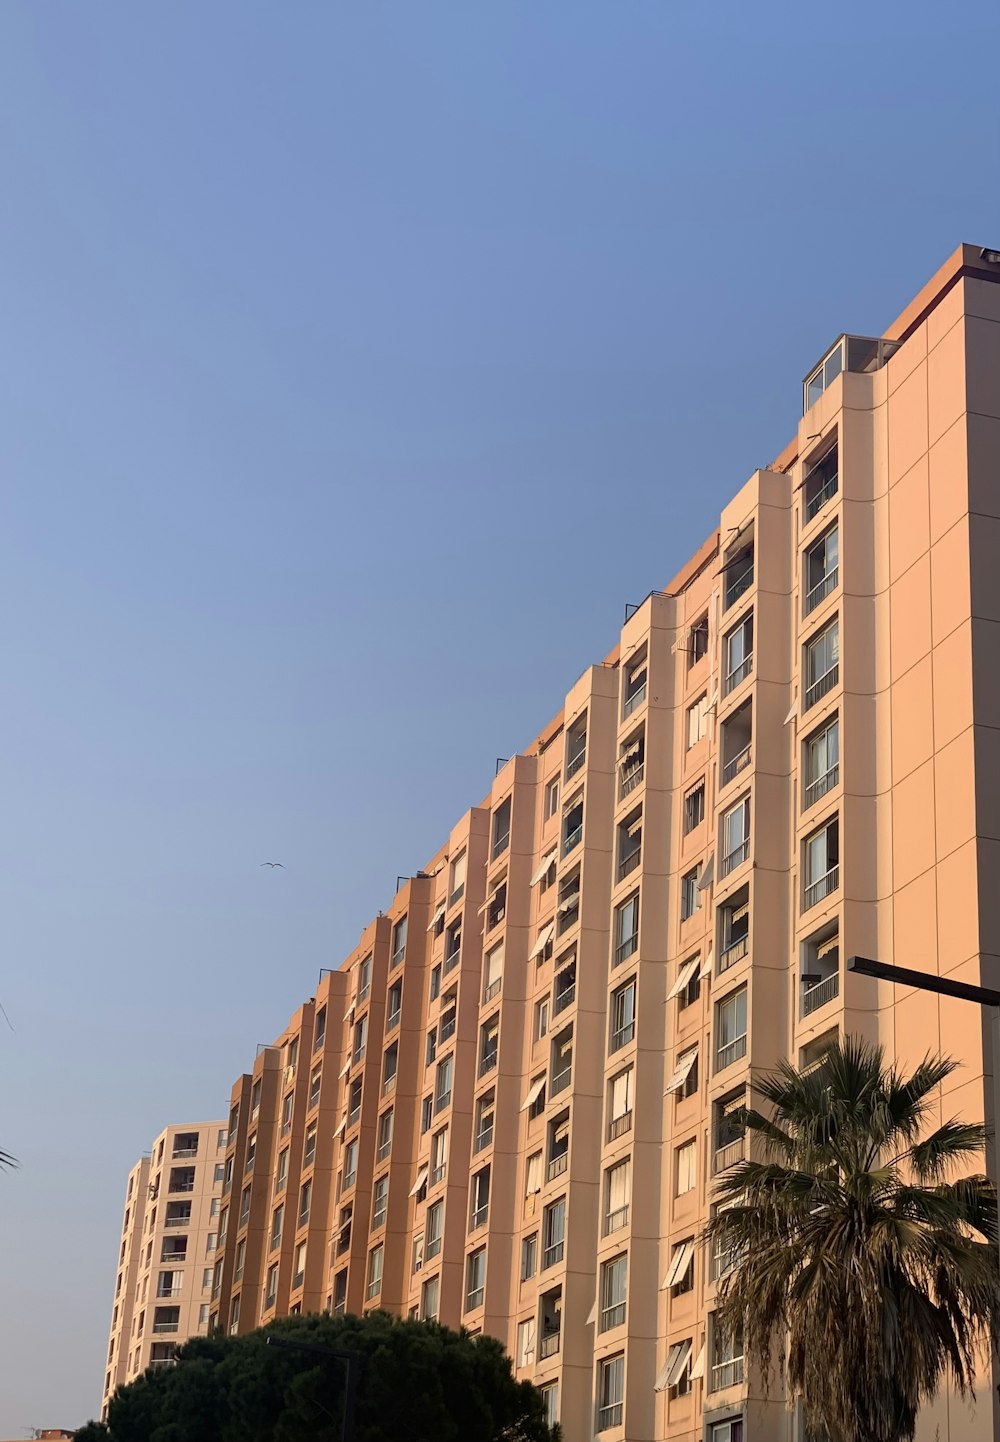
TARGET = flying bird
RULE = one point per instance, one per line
(273, 863)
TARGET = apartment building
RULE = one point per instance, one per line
(167, 1251)
(507, 1108)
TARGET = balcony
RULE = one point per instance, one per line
(175, 1257)
(436, 1175)
(820, 591)
(557, 1166)
(731, 1052)
(859, 353)
(818, 788)
(733, 953)
(726, 1374)
(491, 991)
(180, 1152)
(483, 1138)
(161, 1327)
(736, 857)
(821, 888)
(631, 779)
(739, 763)
(612, 1316)
(480, 1217)
(488, 1062)
(739, 579)
(737, 674)
(560, 1080)
(391, 1022)
(572, 839)
(168, 1291)
(635, 697)
(821, 686)
(629, 862)
(574, 762)
(614, 1221)
(823, 493)
(817, 994)
(389, 1085)
(178, 1221)
(564, 998)
(609, 1416)
(618, 1126)
(549, 1345)
(727, 1155)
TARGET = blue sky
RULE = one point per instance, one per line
(360, 362)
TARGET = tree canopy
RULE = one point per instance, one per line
(851, 1242)
(419, 1382)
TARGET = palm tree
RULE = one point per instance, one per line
(856, 1255)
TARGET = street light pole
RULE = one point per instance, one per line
(355, 1361)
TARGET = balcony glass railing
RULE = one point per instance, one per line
(572, 839)
(561, 1080)
(738, 585)
(557, 1166)
(822, 685)
(563, 999)
(815, 789)
(635, 698)
(734, 952)
(738, 763)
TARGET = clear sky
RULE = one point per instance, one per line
(359, 363)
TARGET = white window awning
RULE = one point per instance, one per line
(739, 913)
(437, 916)
(698, 1365)
(534, 1092)
(340, 1129)
(792, 713)
(826, 947)
(592, 1314)
(421, 1181)
(544, 865)
(542, 941)
(570, 902)
(687, 971)
(630, 754)
(349, 1013)
(708, 874)
(345, 1068)
(679, 1264)
(673, 1369)
(682, 1071)
(707, 964)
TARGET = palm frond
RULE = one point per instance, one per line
(953, 1142)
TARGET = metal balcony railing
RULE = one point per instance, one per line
(391, 1021)
(557, 1166)
(609, 1416)
(738, 586)
(480, 1216)
(727, 1374)
(727, 1155)
(734, 952)
(822, 685)
(631, 779)
(549, 1344)
(737, 674)
(573, 763)
(736, 857)
(816, 502)
(618, 1126)
(612, 1316)
(816, 891)
(820, 591)
(732, 1051)
(629, 863)
(634, 699)
(813, 997)
(165, 1326)
(821, 785)
(180, 1152)
(563, 999)
(560, 1080)
(617, 1219)
(739, 763)
(572, 839)
(491, 991)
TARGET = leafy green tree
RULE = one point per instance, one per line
(419, 1382)
(855, 1247)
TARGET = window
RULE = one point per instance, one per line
(617, 1195)
(736, 835)
(734, 934)
(492, 972)
(698, 641)
(822, 863)
(727, 1357)
(251, 1152)
(610, 1392)
(614, 1275)
(485, 1116)
(526, 1342)
(576, 746)
(305, 1201)
(394, 1005)
(430, 1051)
(697, 721)
(812, 1056)
(398, 942)
(255, 1099)
(540, 1025)
(364, 979)
(626, 935)
(558, 1146)
(501, 829)
(738, 571)
(685, 1167)
(390, 1065)
(479, 1209)
(551, 799)
(565, 984)
(375, 1259)
(620, 1090)
(821, 569)
(738, 654)
(277, 1220)
(319, 1035)
(453, 945)
(475, 1279)
(350, 1162)
(821, 762)
(360, 1039)
(687, 987)
(822, 663)
(380, 1201)
(299, 1269)
(533, 1174)
(680, 1274)
(551, 1316)
(489, 1043)
(271, 1287)
(426, 1114)
(561, 1068)
(241, 1253)
(635, 673)
(631, 763)
(286, 1113)
(694, 807)
(384, 1135)
(821, 482)
(439, 1155)
(246, 1194)
(729, 1431)
(622, 1019)
(690, 892)
(433, 1229)
(430, 1296)
(443, 1082)
(820, 969)
(309, 1151)
(456, 877)
(568, 910)
(684, 1082)
(629, 843)
(220, 1173)
(572, 824)
(731, 1028)
(529, 1256)
(553, 1232)
(727, 1127)
(435, 986)
(550, 1404)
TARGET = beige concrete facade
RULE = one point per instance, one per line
(167, 1250)
(508, 1106)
